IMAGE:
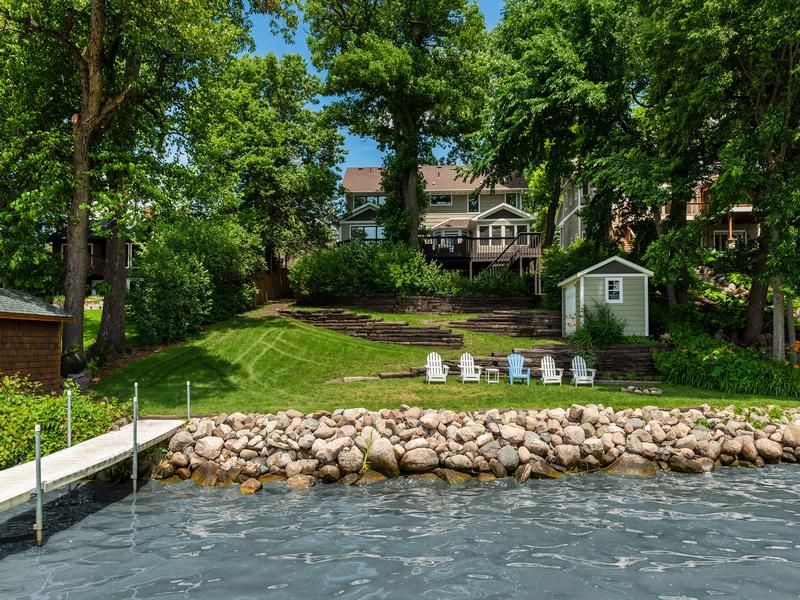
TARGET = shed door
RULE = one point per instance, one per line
(570, 311)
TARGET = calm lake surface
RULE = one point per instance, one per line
(731, 534)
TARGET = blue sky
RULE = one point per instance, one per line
(360, 151)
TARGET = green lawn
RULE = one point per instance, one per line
(265, 363)
(91, 325)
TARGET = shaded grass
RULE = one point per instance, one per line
(258, 363)
(91, 325)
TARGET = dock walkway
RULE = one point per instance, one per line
(18, 484)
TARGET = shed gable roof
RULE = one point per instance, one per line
(614, 265)
(16, 304)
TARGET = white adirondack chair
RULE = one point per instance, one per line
(550, 374)
(581, 374)
(469, 372)
(435, 371)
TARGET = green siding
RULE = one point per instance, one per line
(632, 309)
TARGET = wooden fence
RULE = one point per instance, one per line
(272, 285)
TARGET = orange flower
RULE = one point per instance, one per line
(796, 366)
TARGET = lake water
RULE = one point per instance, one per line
(734, 533)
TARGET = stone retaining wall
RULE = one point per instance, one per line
(428, 304)
(358, 446)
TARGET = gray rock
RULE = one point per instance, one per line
(690, 442)
(567, 455)
(419, 460)
(791, 435)
(508, 457)
(458, 462)
(350, 459)
(512, 433)
(770, 451)
(382, 458)
(574, 435)
(305, 466)
(632, 465)
(416, 443)
(209, 447)
(179, 441)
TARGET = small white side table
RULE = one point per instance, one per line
(492, 375)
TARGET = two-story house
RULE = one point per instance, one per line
(736, 229)
(465, 225)
(97, 258)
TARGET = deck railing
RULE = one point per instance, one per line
(477, 249)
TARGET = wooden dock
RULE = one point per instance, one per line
(18, 484)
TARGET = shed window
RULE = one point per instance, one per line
(613, 290)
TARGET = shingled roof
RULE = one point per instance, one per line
(19, 305)
(445, 178)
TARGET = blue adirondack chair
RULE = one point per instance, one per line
(516, 370)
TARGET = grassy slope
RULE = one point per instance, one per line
(258, 363)
(91, 325)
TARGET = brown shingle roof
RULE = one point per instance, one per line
(365, 180)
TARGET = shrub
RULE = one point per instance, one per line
(193, 272)
(357, 269)
(22, 406)
(712, 364)
(558, 264)
(599, 327)
(171, 297)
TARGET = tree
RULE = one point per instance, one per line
(409, 74)
(112, 47)
(726, 77)
(256, 147)
(557, 87)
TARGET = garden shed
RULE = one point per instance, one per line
(615, 282)
(30, 338)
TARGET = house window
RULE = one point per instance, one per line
(613, 290)
(497, 234)
(474, 203)
(483, 234)
(366, 232)
(721, 241)
(359, 201)
(441, 200)
(514, 200)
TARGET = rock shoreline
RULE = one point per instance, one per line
(357, 446)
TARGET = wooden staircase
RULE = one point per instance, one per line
(377, 330)
(516, 323)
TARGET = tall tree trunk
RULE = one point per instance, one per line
(411, 201)
(552, 210)
(778, 321)
(77, 246)
(758, 295)
(791, 338)
(110, 344)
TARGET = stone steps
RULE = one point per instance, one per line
(515, 323)
(377, 330)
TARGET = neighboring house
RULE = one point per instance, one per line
(465, 227)
(615, 282)
(97, 258)
(569, 221)
(736, 230)
(30, 338)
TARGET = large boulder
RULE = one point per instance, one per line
(791, 435)
(179, 441)
(209, 474)
(304, 466)
(632, 465)
(574, 435)
(508, 457)
(419, 460)
(770, 451)
(541, 470)
(351, 460)
(382, 458)
(209, 447)
(749, 451)
(567, 455)
(685, 465)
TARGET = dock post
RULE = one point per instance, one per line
(69, 430)
(38, 526)
(135, 448)
(188, 400)
(69, 418)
